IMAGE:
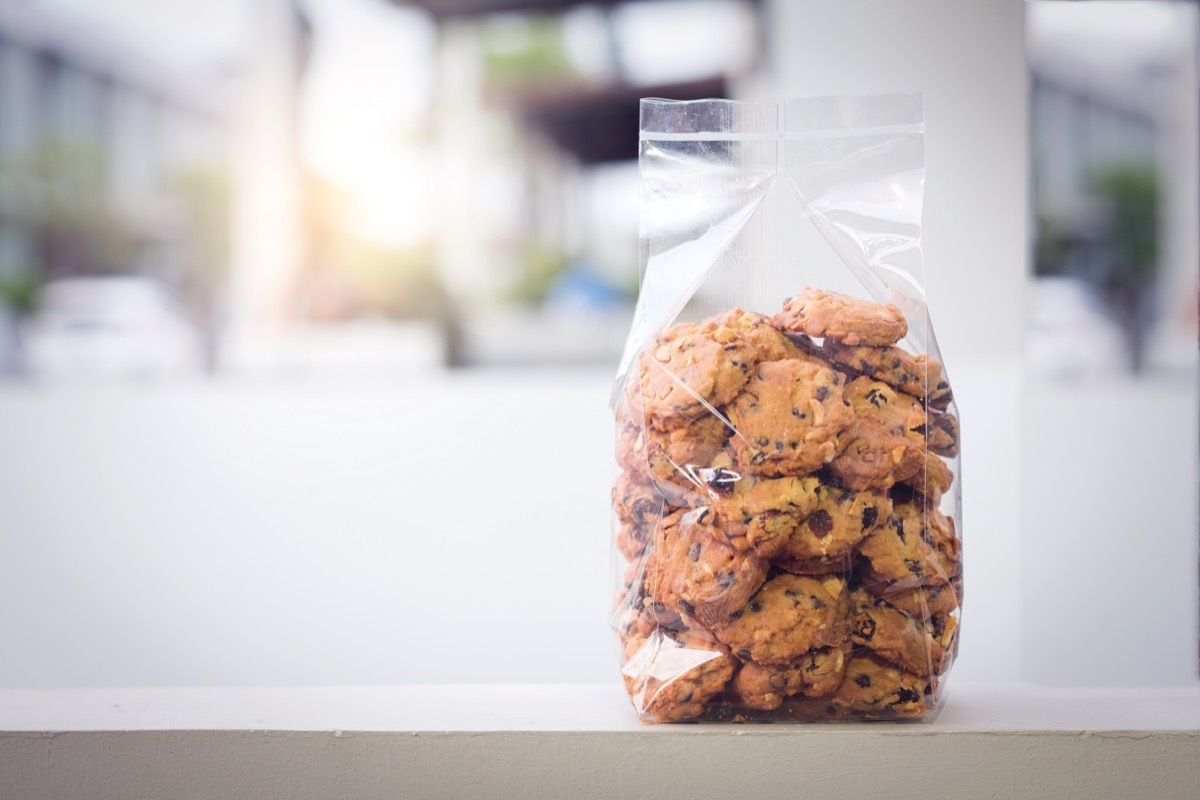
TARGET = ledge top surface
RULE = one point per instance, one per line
(555, 707)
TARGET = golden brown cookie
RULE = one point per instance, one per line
(922, 602)
(886, 442)
(840, 520)
(769, 342)
(894, 636)
(689, 369)
(842, 318)
(920, 376)
(916, 547)
(787, 419)
(638, 509)
(762, 512)
(670, 675)
(765, 687)
(932, 479)
(692, 570)
(878, 690)
(787, 617)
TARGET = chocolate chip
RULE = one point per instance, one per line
(756, 606)
(870, 514)
(743, 653)
(686, 696)
(820, 523)
(720, 480)
(779, 447)
(778, 680)
(863, 680)
(725, 578)
(822, 393)
(687, 607)
(817, 602)
(907, 695)
(736, 615)
(914, 566)
(763, 441)
(694, 551)
(865, 629)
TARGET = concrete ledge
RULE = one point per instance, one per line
(580, 741)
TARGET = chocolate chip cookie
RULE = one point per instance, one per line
(842, 318)
(788, 417)
(787, 617)
(920, 376)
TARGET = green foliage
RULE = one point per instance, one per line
(524, 50)
(1131, 195)
(19, 293)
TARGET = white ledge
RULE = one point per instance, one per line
(581, 741)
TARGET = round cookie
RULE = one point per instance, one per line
(877, 689)
(922, 602)
(670, 675)
(841, 519)
(886, 443)
(692, 570)
(894, 636)
(639, 509)
(920, 376)
(916, 547)
(762, 512)
(689, 369)
(765, 687)
(787, 617)
(845, 319)
(768, 342)
(932, 479)
(787, 419)
(674, 460)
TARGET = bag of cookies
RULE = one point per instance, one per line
(786, 514)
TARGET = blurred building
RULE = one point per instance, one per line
(111, 164)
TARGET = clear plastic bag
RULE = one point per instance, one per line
(786, 516)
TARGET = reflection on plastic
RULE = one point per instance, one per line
(787, 510)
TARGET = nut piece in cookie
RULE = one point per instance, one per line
(842, 318)
(886, 443)
(787, 419)
(694, 571)
(894, 636)
(670, 675)
(880, 690)
(688, 369)
(787, 617)
(841, 519)
(920, 376)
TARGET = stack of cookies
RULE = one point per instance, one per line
(778, 508)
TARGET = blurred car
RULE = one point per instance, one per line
(110, 327)
(1068, 333)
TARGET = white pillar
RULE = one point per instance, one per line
(266, 198)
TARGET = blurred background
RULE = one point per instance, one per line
(309, 311)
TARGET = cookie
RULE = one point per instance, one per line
(693, 571)
(920, 376)
(886, 442)
(787, 418)
(770, 343)
(762, 513)
(923, 602)
(942, 432)
(915, 547)
(879, 690)
(787, 617)
(675, 460)
(840, 520)
(894, 636)
(689, 369)
(670, 675)
(845, 319)
(823, 670)
(638, 509)
(765, 687)
(932, 479)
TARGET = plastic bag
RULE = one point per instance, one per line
(786, 516)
